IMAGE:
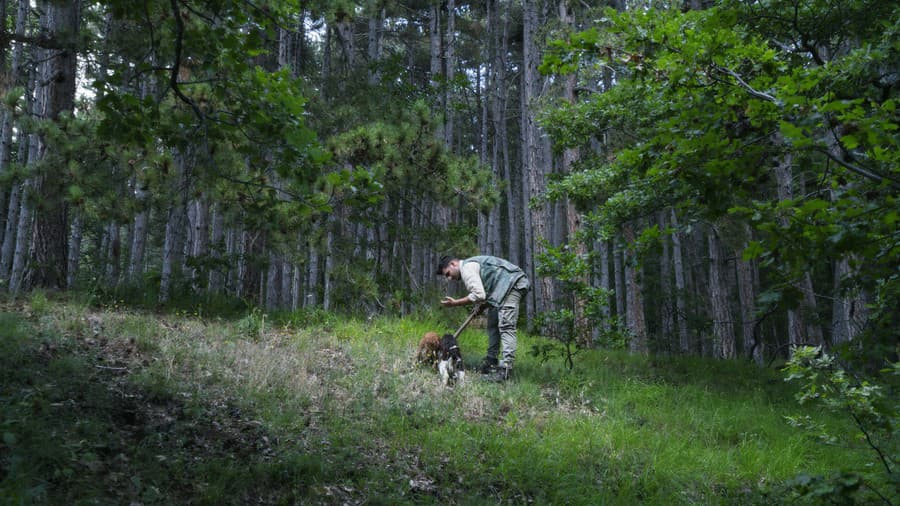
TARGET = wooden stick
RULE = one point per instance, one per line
(465, 324)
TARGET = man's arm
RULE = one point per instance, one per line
(470, 273)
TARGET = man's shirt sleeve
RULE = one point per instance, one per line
(470, 272)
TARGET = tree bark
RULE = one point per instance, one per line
(10, 233)
(619, 279)
(753, 346)
(176, 227)
(722, 320)
(664, 304)
(23, 227)
(113, 253)
(603, 282)
(273, 282)
(449, 72)
(217, 248)
(634, 297)
(12, 79)
(374, 49)
(801, 330)
(55, 96)
(536, 220)
(680, 287)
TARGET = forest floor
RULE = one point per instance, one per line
(113, 406)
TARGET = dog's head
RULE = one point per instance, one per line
(450, 363)
(449, 348)
(429, 348)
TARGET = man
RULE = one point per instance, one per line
(500, 285)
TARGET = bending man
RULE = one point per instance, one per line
(500, 285)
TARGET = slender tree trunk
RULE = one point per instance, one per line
(619, 278)
(23, 228)
(312, 296)
(273, 282)
(232, 236)
(722, 320)
(174, 246)
(286, 281)
(634, 297)
(8, 81)
(199, 243)
(329, 264)
(217, 248)
(603, 282)
(536, 220)
(344, 29)
(376, 28)
(684, 340)
(500, 98)
(113, 254)
(74, 260)
(664, 302)
(800, 328)
(570, 157)
(10, 233)
(449, 72)
(841, 330)
(436, 68)
(747, 289)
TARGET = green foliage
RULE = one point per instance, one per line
(705, 105)
(873, 408)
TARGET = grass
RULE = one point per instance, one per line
(113, 406)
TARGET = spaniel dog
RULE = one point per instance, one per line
(429, 348)
(450, 362)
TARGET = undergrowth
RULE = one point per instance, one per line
(114, 406)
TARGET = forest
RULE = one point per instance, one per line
(708, 180)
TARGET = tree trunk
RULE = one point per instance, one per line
(619, 278)
(801, 329)
(449, 72)
(312, 292)
(14, 78)
(55, 94)
(603, 282)
(217, 248)
(747, 289)
(374, 50)
(634, 297)
(23, 227)
(684, 342)
(113, 254)
(273, 282)
(329, 262)
(174, 246)
(664, 304)
(344, 29)
(722, 320)
(10, 233)
(501, 145)
(536, 221)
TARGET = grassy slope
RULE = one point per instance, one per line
(110, 407)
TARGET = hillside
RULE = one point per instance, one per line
(111, 406)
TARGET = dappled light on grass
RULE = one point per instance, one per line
(343, 414)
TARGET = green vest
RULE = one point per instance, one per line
(498, 277)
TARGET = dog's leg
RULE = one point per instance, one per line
(444, 369)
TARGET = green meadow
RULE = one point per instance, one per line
(115, 406)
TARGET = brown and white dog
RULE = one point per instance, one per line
(429, 349)
(450, 362)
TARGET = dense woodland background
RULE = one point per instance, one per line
(716, 178)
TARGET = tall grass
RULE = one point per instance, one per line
(323, 410)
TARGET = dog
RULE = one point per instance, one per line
(429, 349)
(450, 362)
